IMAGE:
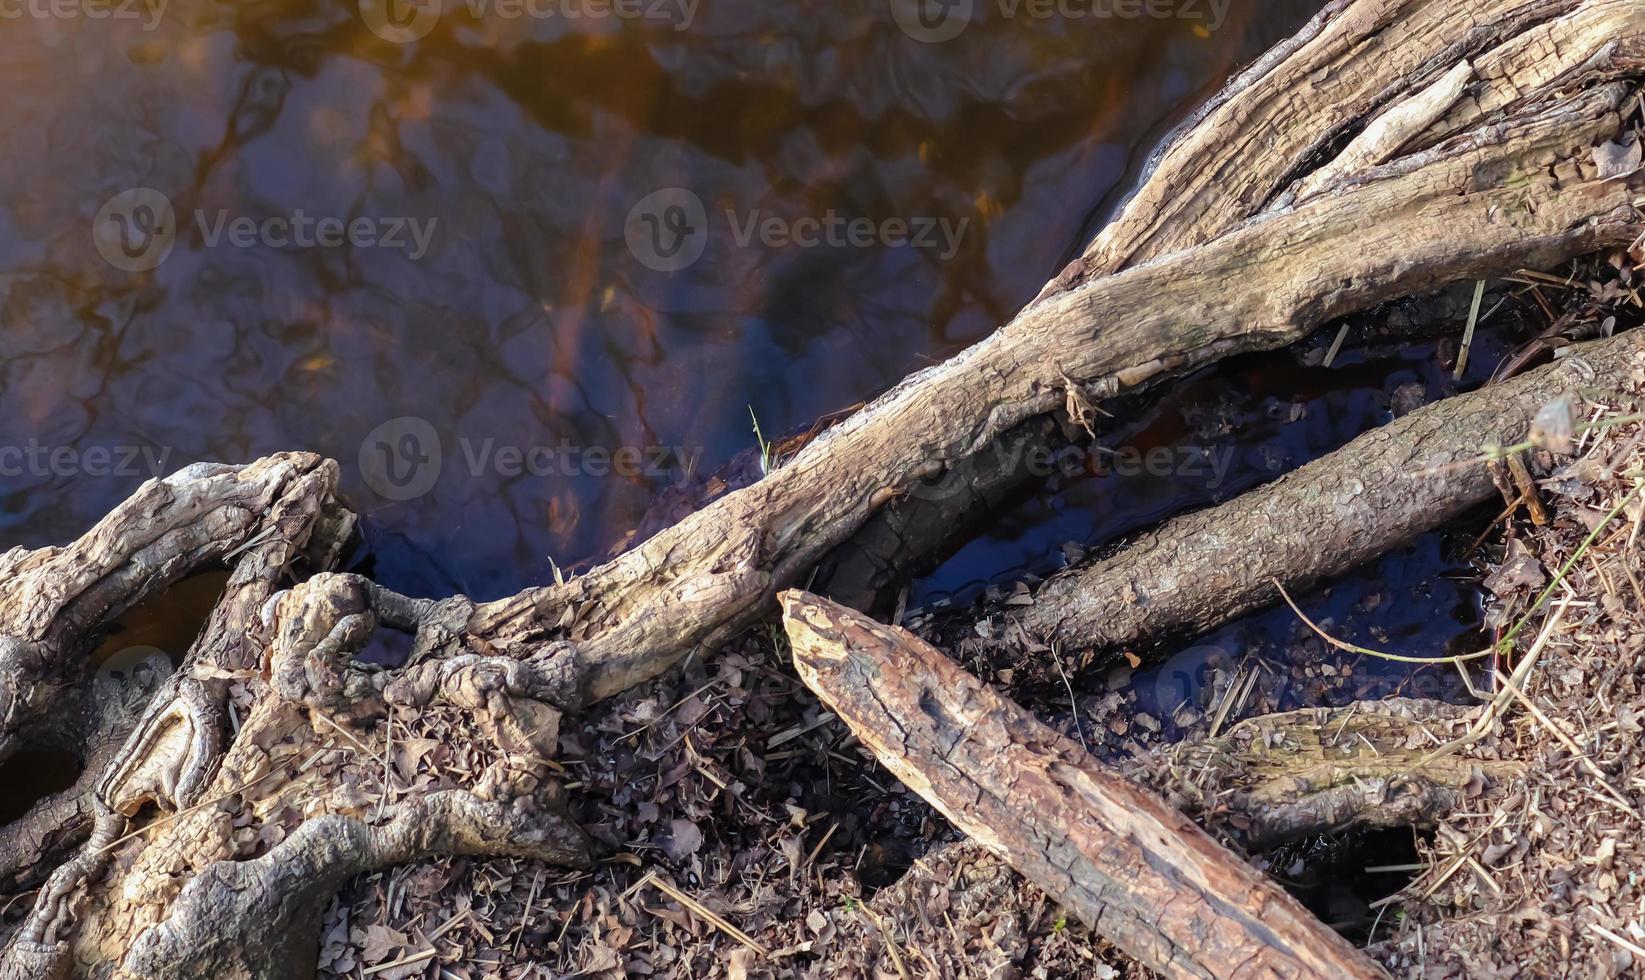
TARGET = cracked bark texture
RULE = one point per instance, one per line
(254, 782)
(53, 600)
(261, 760)
(1382, 489)
(1270, 779)
(1128, 865)
(263, 776)
(35, 843)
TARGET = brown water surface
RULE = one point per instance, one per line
(529, 322)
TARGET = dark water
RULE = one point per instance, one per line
(1330, 874)
(32, 775)
(1220, 432)
(1215, 435)
(527, 319)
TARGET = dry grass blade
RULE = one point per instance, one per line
(1576, 750)
(702, 912)
(890, 943)
(1367, 651)
(1613, 937)
(1468, 331)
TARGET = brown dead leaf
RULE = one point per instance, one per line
(381, 943)
(683, 840)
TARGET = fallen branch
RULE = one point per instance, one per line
(1124, 862)
(1384, 488)
(1512, 183)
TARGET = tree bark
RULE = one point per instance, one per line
(1119, 858)
(256, 776)
(1386, 487)
(1504, 183)
(55, 599)
(1319, 770)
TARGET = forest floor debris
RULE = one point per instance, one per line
(748, 836)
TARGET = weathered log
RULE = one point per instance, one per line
(1386, 487)
(1318, 770)
(1119, 858)
(1270, 779)
(1514, 182)
(268, 730)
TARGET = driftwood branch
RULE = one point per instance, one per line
(1509, 181)
(1379, 491)
(254, 779)
(1119, 858)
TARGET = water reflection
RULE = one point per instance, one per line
(528, 325)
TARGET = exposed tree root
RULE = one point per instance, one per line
(1318, 770)
(55, 599)
(270, 765)
(1384, 488)
(309, 792)
(35, 843)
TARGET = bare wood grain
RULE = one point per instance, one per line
(1128, 865)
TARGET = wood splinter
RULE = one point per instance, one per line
(1131, 867)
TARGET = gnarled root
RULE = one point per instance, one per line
(54, 600)
(1279, 777)
(218, 844)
